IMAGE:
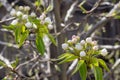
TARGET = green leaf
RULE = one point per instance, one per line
(95, 61)
(83, 71)
(98, 73)
(2, 63)
(52, 39)
(64, 55)
(17, 34)
(40, 44)
(10, 27)
(68, 58)
(23, 37)
(78, 66)
(15, 63)
(49, 8)
(103, 64)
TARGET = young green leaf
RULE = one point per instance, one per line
(17, 34)
(98, 73)
(40, 44)
(103, 64)
(78, 66)
(64, 55)
(52, 39)
(68, 59)
(83, 71)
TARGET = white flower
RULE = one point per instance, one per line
(71, 48)
(21, 8)
(19, 13)
(64, 46)
(13, 12)
(82, 42)
(25, 16)
(34, 26)
(78, 46)
(95, 47)
(33, 14)
(26, 8)
(50, 27)
(104, 52)
(48, 20)
(14, 22)
(42, 16)
(82, 53)
(89, 40)
(28, 25)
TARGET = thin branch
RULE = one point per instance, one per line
(103, 20)
(9, 44)
(94, 7)
(3, 21)
(110, 47)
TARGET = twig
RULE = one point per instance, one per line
(103, 20)
(9, 44)
(94, 7)
(105, 38)
(3, 21)
(110, 47)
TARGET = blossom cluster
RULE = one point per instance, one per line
(22, 15)
(87, 47)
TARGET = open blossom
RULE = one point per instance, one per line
(104, 52)
(64, 46)
(82, 42)
(89, 40)
(33, 14)
(78, 46)
(14, 22)
(28, 25)
(13, 12)
(19, 13)
(82, 53)
(94, 42)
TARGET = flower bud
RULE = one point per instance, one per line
(78, 46)
(95, 47)
(104, 52)
(89, 40)
(82, 42)
(42, 16)
(48, 20)
(19, 13)
(14, 22)
(28, 25)
(33, 14)
(69, 41)
(94, 43)
(82, 53)
(64, 46)
(26, 8)
(50, 27)
(13, 12)
(21, 8)
(25, 16)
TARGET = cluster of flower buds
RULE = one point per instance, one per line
(83, 48)
(22, 14)
(46, 20)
